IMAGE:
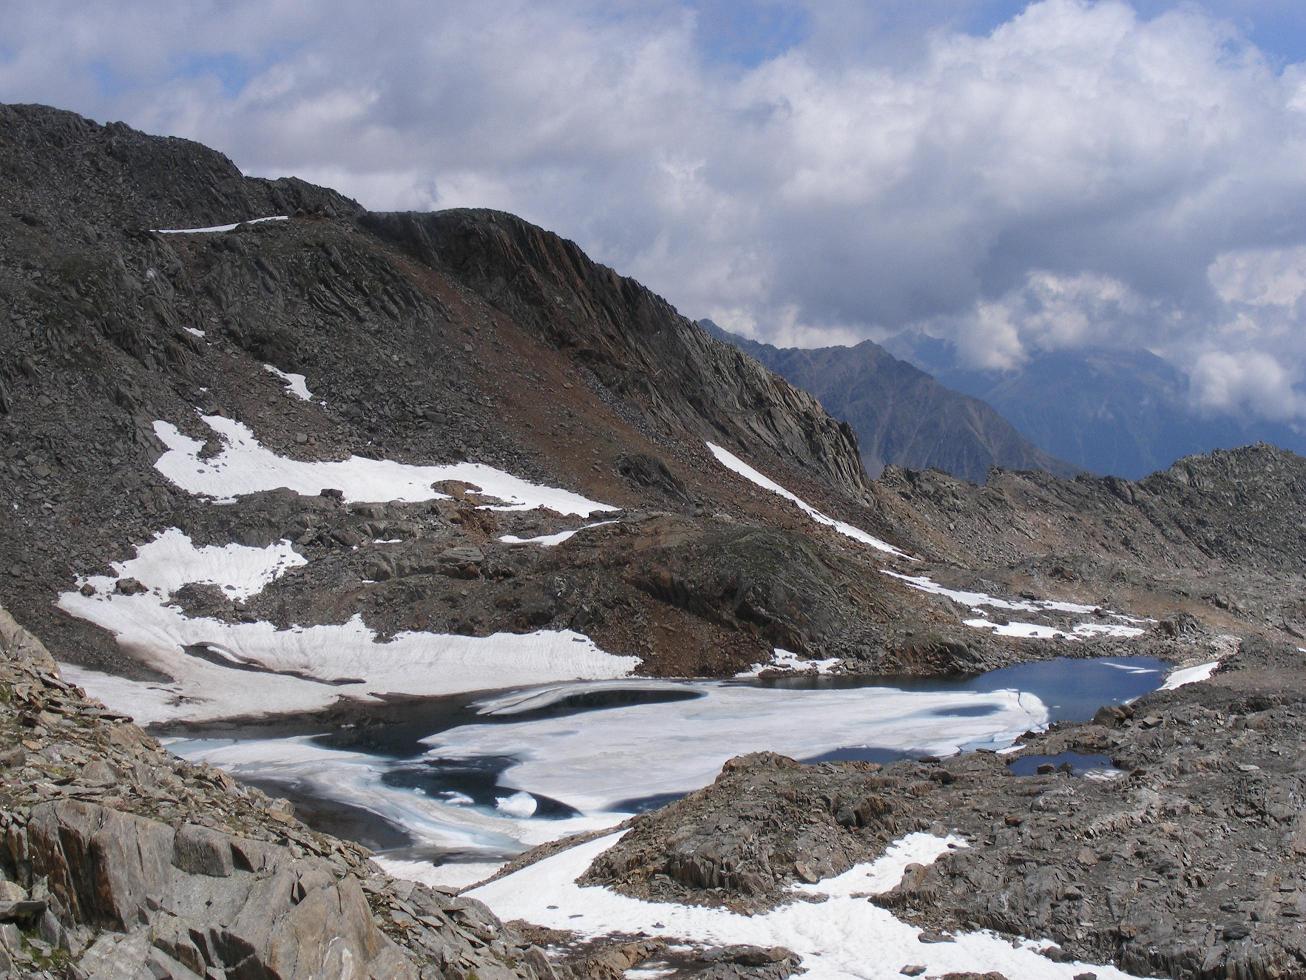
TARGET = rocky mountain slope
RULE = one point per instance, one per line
(425, 340)
(251, 467)
(902, 416)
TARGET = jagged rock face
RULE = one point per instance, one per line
(636, 344)
(115, 177)
(902, 416)
(118, 860)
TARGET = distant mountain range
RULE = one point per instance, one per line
(1117, 412)
(901, 415)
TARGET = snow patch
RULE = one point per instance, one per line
(923, 583)
(194, 331)
(841, 937)
(788, 660)
(443, 822)
(1189, 675)
(244, 467)
(736, 465)
(552, 540)
(975, 601)
(212, 229)
(455, 874)
(222, 670)
(1079, 631)
(296, 384)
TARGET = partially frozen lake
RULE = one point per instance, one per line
(466, 782)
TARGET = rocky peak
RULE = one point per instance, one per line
(62, 171)
(632, 340)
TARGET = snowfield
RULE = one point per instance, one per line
(1189, 675)
(244, 467)
(923, 583)
(213, 229)
(843, 936)
(221, 670)
(736, 465)
(788, 660)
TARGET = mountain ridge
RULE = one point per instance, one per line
(902, 415)
(1121, 412)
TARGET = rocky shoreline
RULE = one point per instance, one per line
(1190, 863)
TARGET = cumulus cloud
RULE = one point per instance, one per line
(1080, 174)
(1247, 382)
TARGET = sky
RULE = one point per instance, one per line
(1013, 178)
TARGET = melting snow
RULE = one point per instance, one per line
(552, 540)
(844, 936)
(455, 874)
(788, 660)
(517, 805)
(296, 384)
(924, 583)
(217, 228)
(442, 821)
(733, 463)
(263, 669)
(244, 467)
(1043, 632)
(1189, 675)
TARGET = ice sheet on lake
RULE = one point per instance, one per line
(841, 937)
(1189, 675)
(584, 760)
(244, 467)
(733, 463)
(552, 540)
(296, 384)
(254, 668)
(219, 228)
(443, 822)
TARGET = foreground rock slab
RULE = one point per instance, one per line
(118, 860)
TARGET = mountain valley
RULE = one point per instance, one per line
(597, 631)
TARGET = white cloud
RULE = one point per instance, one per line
(1080, 175)
(1274, 277)
(1249, 381)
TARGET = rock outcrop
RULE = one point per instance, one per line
(635, 343)
(1187, 860)
(118, 860)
